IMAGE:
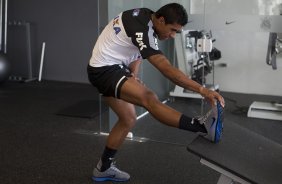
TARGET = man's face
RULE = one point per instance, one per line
(166, 31)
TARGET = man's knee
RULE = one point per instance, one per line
(129, 120)
(149, 99)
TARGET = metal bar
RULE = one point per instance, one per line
(1, 23)
(28, 47)
(6, 25)
(100, 111)
(145, 113)
(41, 61)
(224, 172)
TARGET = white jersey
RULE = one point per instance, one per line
(126, 38)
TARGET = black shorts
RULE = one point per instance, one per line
(108, 79)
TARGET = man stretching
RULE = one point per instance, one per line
(113, 68)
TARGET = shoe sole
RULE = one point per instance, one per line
(219, 123)
(108, 179)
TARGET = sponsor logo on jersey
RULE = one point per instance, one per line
(136, 12)
(116, 25)
(139, 40)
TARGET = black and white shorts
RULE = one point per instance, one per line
(108, 79)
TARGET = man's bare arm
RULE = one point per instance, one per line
(180, 79)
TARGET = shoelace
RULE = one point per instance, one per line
(113, 166)
(204, 118)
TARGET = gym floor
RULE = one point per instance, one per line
(38, 146)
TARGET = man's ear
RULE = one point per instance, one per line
(162, 20)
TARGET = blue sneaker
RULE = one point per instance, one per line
(213, 121)
(111, 174)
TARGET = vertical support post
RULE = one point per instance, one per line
(5, 26)
(41, 61)
(100, 112)
(1, 23)
(225, 180)
(28, 49)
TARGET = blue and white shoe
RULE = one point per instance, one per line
(213, 121)
(111, 174)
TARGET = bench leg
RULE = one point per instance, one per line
(225, 180)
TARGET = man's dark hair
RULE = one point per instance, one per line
(173, 13)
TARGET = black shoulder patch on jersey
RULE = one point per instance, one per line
(136, 19)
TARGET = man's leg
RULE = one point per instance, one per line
(126, 120)
(134, 92)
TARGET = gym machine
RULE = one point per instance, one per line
(269, 110)
(195, 57)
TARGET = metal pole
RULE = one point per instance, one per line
(28, 49)
(41, 61)
(100, 112)
(1, 23)
(98, 18)
(6, 25)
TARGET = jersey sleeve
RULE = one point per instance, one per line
(146, 42)
(138, 27)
